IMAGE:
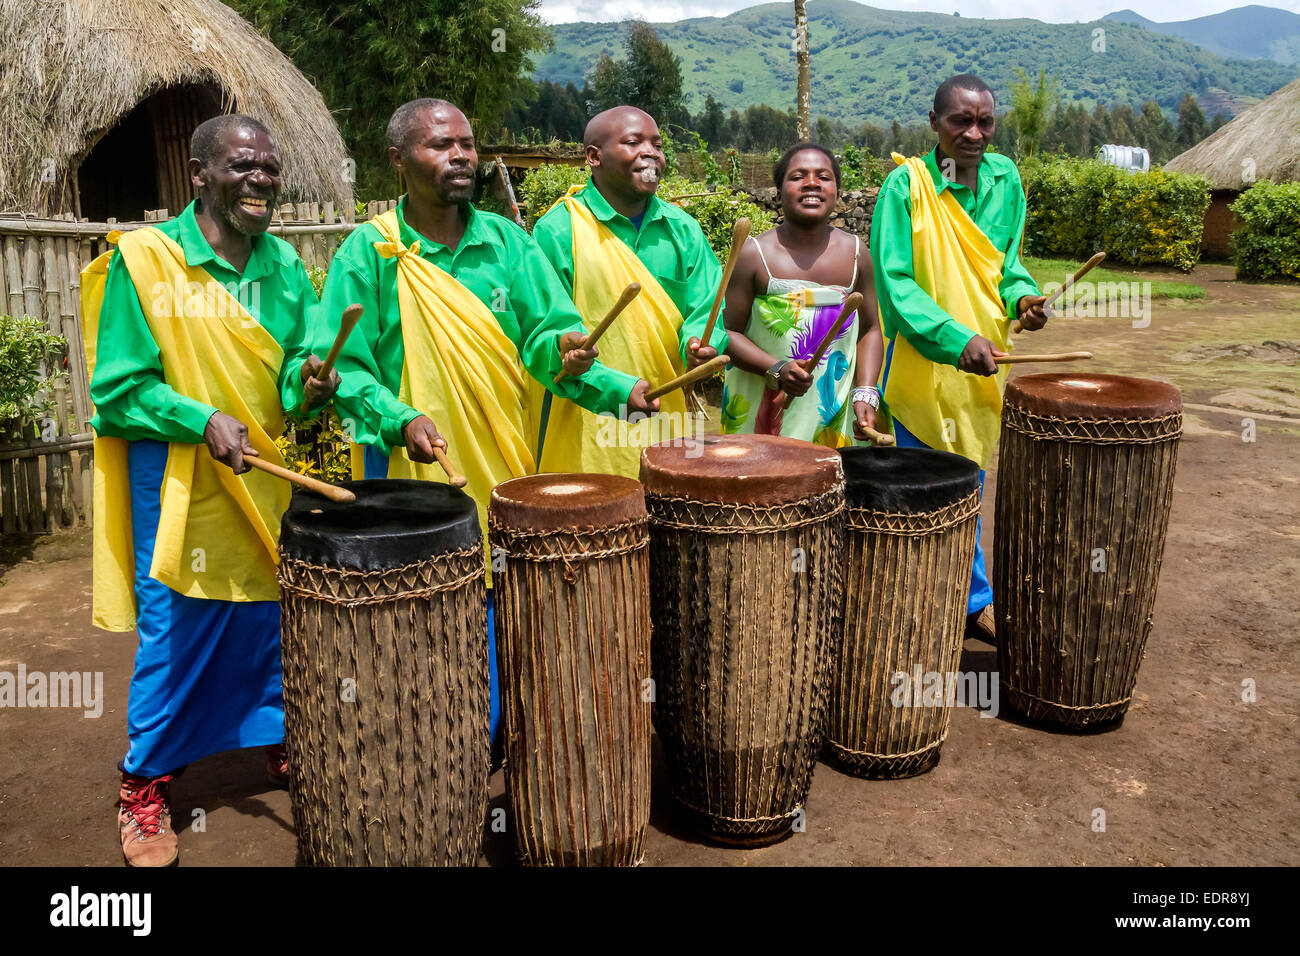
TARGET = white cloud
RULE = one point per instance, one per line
(1054, 11)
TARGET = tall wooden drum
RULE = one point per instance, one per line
(1085, 482)
(910, 532)
(573, 648)
(384, 634)
(745, 551)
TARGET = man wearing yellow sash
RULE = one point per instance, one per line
(601, 237)
(945, 242)
(461, 311)
(196, 334)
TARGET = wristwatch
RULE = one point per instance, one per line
(773, 375)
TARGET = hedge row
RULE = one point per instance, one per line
(1081, 206)
(1266, 244)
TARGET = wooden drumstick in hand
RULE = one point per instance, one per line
(332, 492)
(739, 233)
(631, 292)
(851, 304)
(1045, 357)
(456, 479)
(351, 316)
(690, 378)
(1087, 267)
(876, 438)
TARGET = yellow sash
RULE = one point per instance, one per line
(643, 341)
(954, 262)
(462, 370)
(217, 531)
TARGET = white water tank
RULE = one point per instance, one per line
(1134, 159)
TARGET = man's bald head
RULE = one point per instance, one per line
(410, 117)
(613, 121)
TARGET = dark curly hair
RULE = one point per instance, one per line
(783, 164)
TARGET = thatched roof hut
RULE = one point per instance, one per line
(1261, 143)
(101, 97)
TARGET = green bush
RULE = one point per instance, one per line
(718, 211)
(860, 170)
(546, 184)
(24, 345)
(1266, 244)
(1080, 206)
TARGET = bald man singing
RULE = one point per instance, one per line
(600, 237)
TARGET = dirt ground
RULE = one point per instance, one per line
(1194, 776)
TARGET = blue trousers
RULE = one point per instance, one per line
(207, 673)
(376, 463)
(981, 594)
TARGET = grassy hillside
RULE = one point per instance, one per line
(879, 65)
(1252, 32)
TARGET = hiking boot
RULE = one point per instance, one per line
(144, 818)
(277, 766)
(982, 625)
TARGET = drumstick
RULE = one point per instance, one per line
(351, 316)
(455, 477)
(1045, 357)
(850, 306)
(332, 492)
(878, 438)
(631, 292)
(690, 378)
(739, 233)
(1069, 283)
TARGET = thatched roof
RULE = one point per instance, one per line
(70, 69)
(1261, 143)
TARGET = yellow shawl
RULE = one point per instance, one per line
(954, 262)
(217, 532)
(643, 341)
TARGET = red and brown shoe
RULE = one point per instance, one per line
(277, 766)
(144, 818)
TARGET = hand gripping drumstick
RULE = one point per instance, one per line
(850, 306)
(690, 378)
(332, 492)
(739, 233)
(631, 292)
(1069, 283)
(877, 438)
(351, 316)
(1045, 357)
(456, 479)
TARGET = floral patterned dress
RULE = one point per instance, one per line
(789, 321)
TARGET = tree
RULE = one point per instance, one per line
(608, 83)
(650, 77)
(1192, 127)
(1029, 110)
(476, 54)
(803, 96)
(710, 123)
(1155, 132)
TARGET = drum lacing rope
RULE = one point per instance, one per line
(1093, 431)
(849, 752)
(743, 518)
(1059, 706)
(550, 544)
(290, 565)
(916, 524)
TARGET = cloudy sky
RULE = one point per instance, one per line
(1059, 11)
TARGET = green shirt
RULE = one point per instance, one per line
(500, 264)
(999, 212)
(132, 400)
(670, 244)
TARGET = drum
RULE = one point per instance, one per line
(745, 551)
(910, 536)
(384, 634)
(1085, 482)
(572, 582)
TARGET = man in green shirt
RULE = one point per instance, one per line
(200, 339)
(941, 245)
(461, 309)
(603, 236)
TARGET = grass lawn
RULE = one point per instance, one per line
(1055, 270)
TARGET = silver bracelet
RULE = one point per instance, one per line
(869, 394)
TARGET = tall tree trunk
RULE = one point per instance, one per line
(802, 94)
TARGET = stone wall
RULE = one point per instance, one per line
(852, 212)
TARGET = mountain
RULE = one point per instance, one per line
(872, 65)
(1245, 33)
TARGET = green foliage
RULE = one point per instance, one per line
(319, 448)
(1029, 108)
(650, 77)
(543, 186)
(368, 57)
(859, 170)
(1078, 207)
(718, 211)
(25, 344)
(317, 277)
(1266, 244)
(691, 143)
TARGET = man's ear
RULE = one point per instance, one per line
(934, 121)
(198, 176)
(395, 159)
(593, 156)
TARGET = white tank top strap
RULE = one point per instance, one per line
(762, 258)
(857, 251)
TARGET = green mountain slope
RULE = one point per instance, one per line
(1253, 32)
(875, 66)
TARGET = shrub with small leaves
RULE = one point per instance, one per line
(28, 352)
(1266, 244)
(718, 211)
(545, 185)
(318, 448)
